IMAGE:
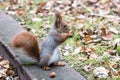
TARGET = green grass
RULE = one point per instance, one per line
(100, 49)
(118, 49)
(37, 1)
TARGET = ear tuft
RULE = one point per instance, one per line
(58, 19)
(58, 16)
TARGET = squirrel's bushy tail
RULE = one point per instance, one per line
(28, 42)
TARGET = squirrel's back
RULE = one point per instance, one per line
(28, 42)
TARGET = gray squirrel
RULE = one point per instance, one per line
(48, 53)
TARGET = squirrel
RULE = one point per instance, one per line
(48, 53)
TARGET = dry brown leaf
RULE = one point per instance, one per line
(103, 29)
(112, 52)
(6, 70)
(90, 32)
(88, 38)
(108, 36)
(42, 4)
(115, 66)
(118, 72)
(84, 49)
(20, 12)
(88, 51)
(10, 73)
(29, 3)
(105, 35)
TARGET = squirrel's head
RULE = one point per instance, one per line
(61, 25)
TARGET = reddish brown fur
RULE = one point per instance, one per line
(28, 42)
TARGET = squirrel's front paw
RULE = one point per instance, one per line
(60, 63)
(70, 33)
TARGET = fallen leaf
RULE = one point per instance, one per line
(93, 56)
(87, 68)
(100, 72)
(112, 52)
(36, 19)
(9, 78)
(11, 12)
(10, 73)
(114, 30)
(81, 34)
(82, 58)
(81, 17)
(103, 29)
(108, 36)
(88, 38)
(115, 66)
(118, 72)
(97, 40)
(3, 73)
(84, 49)
(5, 63)
(87, 50)
(49, 4)
(42, 4)
(20, 12)
(114, 42)
(32, 11)
(1, 58)
(77, 50)
(66, 53)
(94, 36)
(75, 3)
(103, 12)
(90, 32)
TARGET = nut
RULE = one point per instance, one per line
(52, 74)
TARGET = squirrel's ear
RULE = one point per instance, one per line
(58, 19)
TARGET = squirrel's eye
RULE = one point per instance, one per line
(64, 26)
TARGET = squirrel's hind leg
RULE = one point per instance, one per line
(44, 62)
(46, 68)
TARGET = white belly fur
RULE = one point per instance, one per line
(55, 57)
